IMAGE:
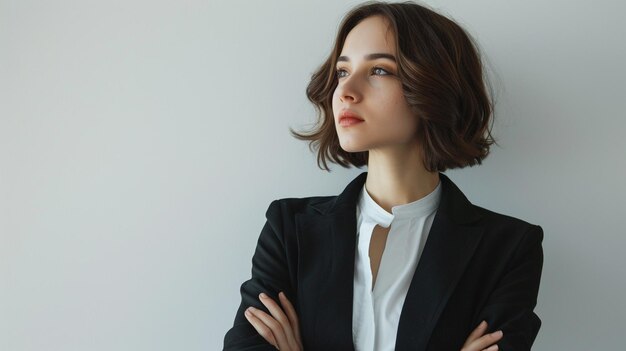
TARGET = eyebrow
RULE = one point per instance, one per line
(370, 57)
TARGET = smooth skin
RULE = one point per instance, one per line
(283, 330)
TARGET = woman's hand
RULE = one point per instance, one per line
(280, 330)
(479, 342)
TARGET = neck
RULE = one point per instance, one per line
(399, 180)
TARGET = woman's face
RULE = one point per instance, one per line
(369, 88)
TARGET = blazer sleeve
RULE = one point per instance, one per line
(270, 274)
(510, 306)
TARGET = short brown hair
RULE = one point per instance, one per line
(442, 79)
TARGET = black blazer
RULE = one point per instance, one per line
(476, 265)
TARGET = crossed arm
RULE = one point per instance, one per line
(281, 329)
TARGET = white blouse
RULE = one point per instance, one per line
(376, 313)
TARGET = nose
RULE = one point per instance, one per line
(348, 90)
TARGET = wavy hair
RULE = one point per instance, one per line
(441, 72)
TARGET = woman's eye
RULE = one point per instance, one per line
(340, 72)
(380, 70)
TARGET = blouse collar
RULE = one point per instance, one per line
(416, 209)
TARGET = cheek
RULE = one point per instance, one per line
(335, 101)
(402, 103)
(396, 102)
(401, 112)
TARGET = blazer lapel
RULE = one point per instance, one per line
(450, 245)
(326, 253)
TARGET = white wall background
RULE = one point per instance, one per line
(142, 141)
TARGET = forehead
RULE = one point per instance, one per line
(373, 34)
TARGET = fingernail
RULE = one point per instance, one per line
(248, 313)
(280, 294)
(263, 296)
(498, 333)
(483, 323)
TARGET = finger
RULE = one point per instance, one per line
(291, 314)
(477, 333)
(261, 328)
(273, 325)
(278, 322)
(485, 341)
(492, 348)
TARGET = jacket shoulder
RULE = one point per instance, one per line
(289, 206)
(503, 223)
(501, 218)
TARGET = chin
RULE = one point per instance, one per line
(352, 147)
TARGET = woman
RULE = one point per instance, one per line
(405, 91)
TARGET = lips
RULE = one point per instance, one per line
(349, 117)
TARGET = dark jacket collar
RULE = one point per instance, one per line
(454, 204)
